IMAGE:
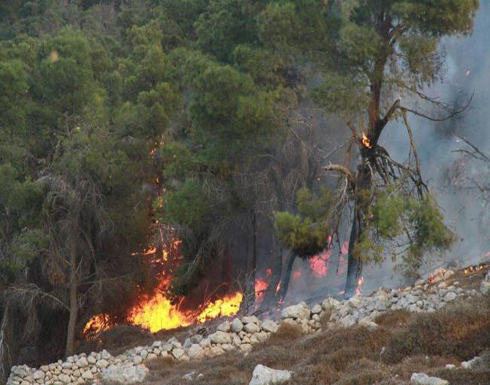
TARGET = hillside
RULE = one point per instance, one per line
(381, 339)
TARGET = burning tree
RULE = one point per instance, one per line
(376, 59)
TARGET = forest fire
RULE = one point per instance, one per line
(157, 312)
(473, 269)
(366, 142)
(319, 263)
(359, 286)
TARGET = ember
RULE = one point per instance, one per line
(366, 142)
(359, 286)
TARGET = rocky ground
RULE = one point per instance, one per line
(435, 332)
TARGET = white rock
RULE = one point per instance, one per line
(236, 326)
(91, 360)
(450, 296)
(251, 319)
(220, 338)
(137, 360)
(178, 353)
(65, 379)
(424, 379)
(263, 375)
(125, 375)
(329, 303)
(82, 362)
(316, 309)
(216, 351)
(38, 375)
(251, 328)
(246, 347)
(224, 327)
(471, 363)
(450, 366)
(196, 351)
(102, 363)
(269, 326)
(485, 287)
(87, 375)
(299, 311)
(188, 376)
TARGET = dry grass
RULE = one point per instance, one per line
(462, 331)
(413, 342)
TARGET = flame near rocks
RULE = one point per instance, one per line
(157, 312)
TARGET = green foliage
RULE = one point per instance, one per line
(187, 206)
(13, 98)
(399, 224)
(306, 233)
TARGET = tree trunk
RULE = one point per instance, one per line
(286, 279)
(6, 331)
(354, 264)
(70, 335)
(270, 293)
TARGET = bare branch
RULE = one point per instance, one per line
(485, 157)
(341, 169)
(433, 119)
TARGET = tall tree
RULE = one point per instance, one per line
(376, 57)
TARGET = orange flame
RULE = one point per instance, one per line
(359, 286)
(157, 312)
(260, 286)
(365, 141)
(319, 263)
(225, 307)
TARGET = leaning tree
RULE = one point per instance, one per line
(377, 60)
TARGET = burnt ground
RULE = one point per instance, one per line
(403, 343)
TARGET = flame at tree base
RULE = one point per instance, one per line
(158, 313)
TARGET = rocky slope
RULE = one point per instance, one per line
(242, 336)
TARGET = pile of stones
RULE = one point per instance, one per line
(240, 334)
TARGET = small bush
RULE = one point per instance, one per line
(462, 331)
(286, 332)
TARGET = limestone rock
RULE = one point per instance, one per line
(196, 351)
(125, 375)
(220, 338)
(424, 379)
(236, 326)
(251, 328)
(178, 353)
(299, 311)
(262, 375)
(269, 326)
(224, 327)
(485, 287)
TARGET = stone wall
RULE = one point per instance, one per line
(242, 333)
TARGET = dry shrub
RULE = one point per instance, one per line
(462, 331)
(226, 375)
(343, 357)
(161, 363)
(419, 363)
(325, 318)
(274, 356)
(393, 319)
(368, 377)
(465, 377)
(315, 375)
(285, 333)
(369, 342)
(118, 339)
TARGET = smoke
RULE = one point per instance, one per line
(467, 71)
